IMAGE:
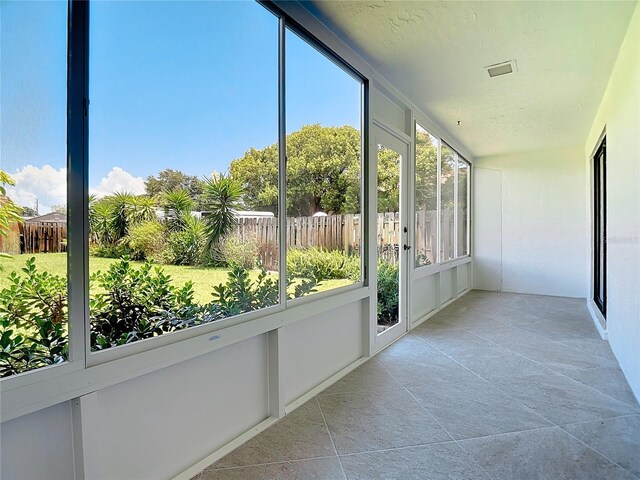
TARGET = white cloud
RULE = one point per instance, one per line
(45, 185)
(48, 186)
(118, 180)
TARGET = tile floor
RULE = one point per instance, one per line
(495, 386)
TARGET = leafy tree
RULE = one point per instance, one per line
(323, 172)
(9, 211)
(59, 209)
(426, 172)
(29, 212)
(169, 180)
(221, 197)
(388, 180)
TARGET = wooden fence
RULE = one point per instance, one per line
(343, 232)
(43, 237)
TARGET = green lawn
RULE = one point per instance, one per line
(203, 278)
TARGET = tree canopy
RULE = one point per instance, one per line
(169, 180)
(324, 174)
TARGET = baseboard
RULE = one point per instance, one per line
(598, 319)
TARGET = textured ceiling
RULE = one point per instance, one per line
(434, 53)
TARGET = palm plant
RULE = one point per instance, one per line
(221, 197)
(177, 204)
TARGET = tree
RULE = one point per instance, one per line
(59, 209)
(221, 197)
(29, 212)
(9, 211)
(169, 180)
(111, 217)
(323, 172)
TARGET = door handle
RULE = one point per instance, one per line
(406, 247)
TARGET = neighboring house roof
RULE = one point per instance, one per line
(52, 217)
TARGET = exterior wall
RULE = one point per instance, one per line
(619, 113)
(544, 218)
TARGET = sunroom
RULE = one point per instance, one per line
(347, 240)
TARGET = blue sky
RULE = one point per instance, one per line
(183, 85)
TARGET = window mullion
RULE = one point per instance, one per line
(282, 163)
(456, 254)
(77, 181)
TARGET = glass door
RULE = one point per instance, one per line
(392, 238)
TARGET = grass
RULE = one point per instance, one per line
(203, 278)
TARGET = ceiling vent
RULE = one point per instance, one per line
(501, 68)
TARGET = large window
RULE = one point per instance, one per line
(183, 167)
(172, 139)
(323, 105)
(441, 201)
(33, 186)
(426, 198)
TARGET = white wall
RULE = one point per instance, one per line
(487, 229)
(37, 446)
(544, 218)
(619, 112)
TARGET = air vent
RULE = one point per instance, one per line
(501, 68)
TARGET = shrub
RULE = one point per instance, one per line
(33, 313)
(109, 251)
(322, 265)
(186, 246)
(388, 277)
(241, 295)
(138, 303)
(243, 252)
(146, 241)
(127, 304)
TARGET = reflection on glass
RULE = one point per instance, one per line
(323, 171)
(447, 199)
(463, 203)
(184, 166)
(388, 237)
(426, 198)
(33, 186)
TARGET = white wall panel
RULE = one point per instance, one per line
(462, 277)
(317, 347)
(423, 297)
(159, 424)
(38, 445)
(487, 229)
(544, 218)
(446, 286)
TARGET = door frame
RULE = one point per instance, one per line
(401, 143)
(599, 221)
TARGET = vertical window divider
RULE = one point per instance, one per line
(456, 205)
(438, 204)
(77, 177)
(282, 163)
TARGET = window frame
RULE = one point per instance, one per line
(86, 370)
(424, 270)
